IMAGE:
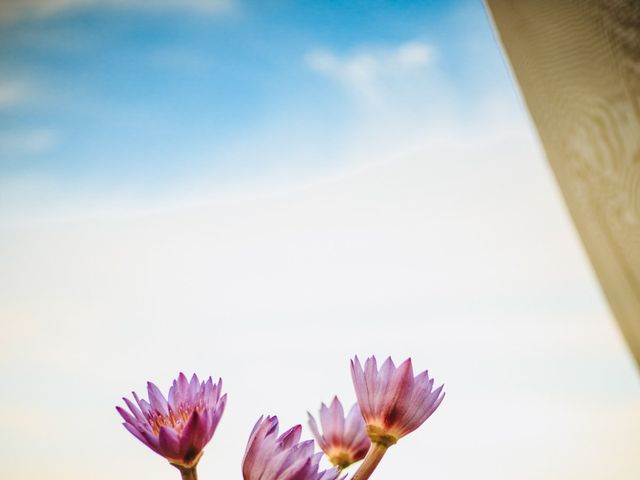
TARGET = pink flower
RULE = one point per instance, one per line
(344, 441)
(272, 457)
(393, 402)
(180, 428)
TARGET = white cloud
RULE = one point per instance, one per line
(28, 142)
(413, 54)
(12, 93)
(366, 71)
(12, 10)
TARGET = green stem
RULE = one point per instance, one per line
(371, 461)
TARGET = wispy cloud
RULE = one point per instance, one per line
(365, 71)
(12, 10)
(28, 142)
(12, 93)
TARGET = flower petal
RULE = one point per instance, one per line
(157, 400)
(313, 426)
(169, 441)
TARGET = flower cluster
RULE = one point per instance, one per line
(392, 403)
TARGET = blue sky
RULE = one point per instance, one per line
(106, 94)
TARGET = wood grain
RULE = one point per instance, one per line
(577, 63)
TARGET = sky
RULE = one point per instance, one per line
(260, 191)
(142, 97)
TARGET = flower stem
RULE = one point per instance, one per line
(189, 473)
(371, 461)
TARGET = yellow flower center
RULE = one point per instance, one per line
(175, 419)
(340, 458)
(380, 436)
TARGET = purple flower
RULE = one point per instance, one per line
(393, 402)
(344, 441)
(180, 428)
(272, 457)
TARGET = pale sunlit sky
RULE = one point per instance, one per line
(261, 190)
